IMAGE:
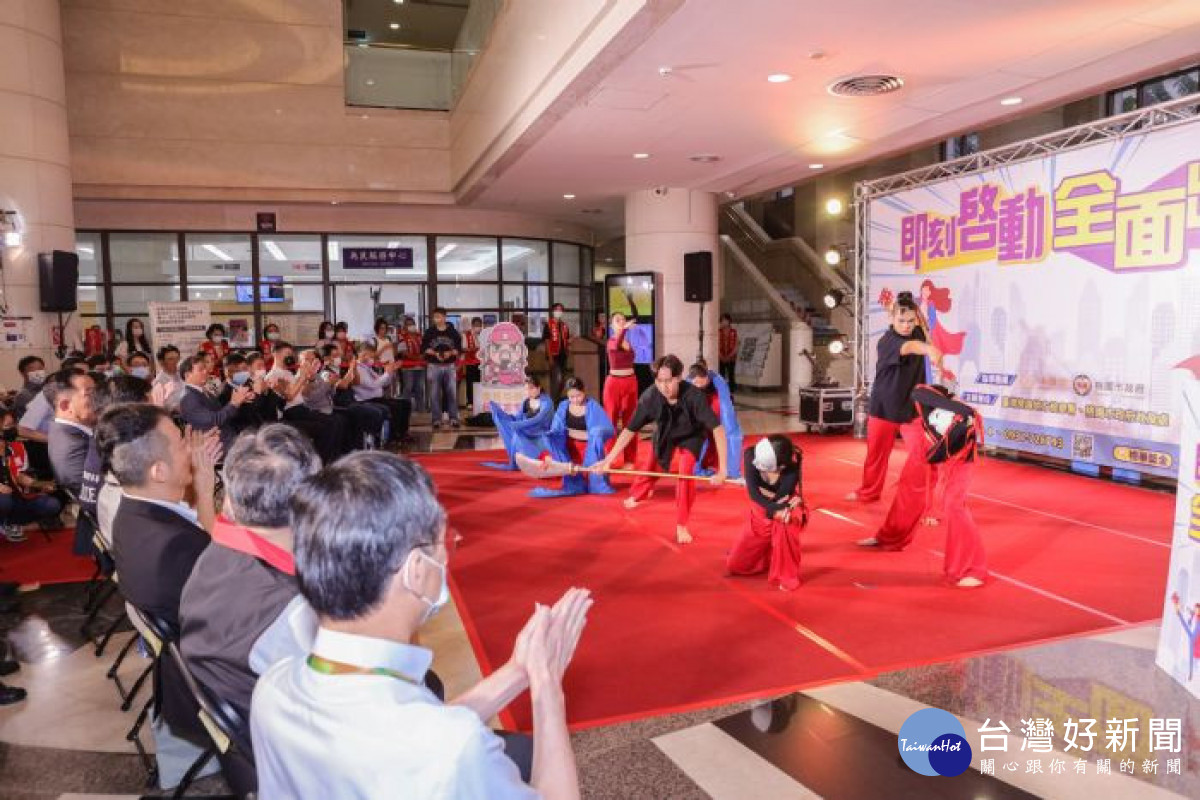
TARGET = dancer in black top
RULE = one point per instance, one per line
(770, 540)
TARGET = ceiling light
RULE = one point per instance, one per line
(274, 250)
(363, 44)
(395, 26)
(398, 2)
(837, 346)
(833, 206)
(816, 166)
(833, 256)
(333, 202)
(1012, 101)
(12, 238)
(568, 197)
(446, 250)
(370, 81)
(778, 77)
(218, 252)
(641, 155)
(664, 72)
(834, 298)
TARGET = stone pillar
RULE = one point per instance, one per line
(661, 225)
(35, 173)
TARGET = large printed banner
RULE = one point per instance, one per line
(1179, 636)
(1064, 291)
(180, 324)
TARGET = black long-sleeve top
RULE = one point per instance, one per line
(772, 497)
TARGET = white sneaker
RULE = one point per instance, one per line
(969, 583)
(869, 542)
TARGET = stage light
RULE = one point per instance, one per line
(837, 347)
(834, 298)
(834, 207)
(833, 256)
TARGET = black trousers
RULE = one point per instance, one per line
(327, 432)
(728, 370)
(472, 375)
(399, 411)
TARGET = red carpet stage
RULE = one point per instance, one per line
(36, 560)
(669, 632)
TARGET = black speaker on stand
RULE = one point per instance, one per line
(58, 287)
(698, 286)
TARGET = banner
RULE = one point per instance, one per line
(1179, 635)
(180, 324)
(1062, 290)
(377, 257)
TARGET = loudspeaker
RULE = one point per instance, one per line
(698, 277)
(58, 280)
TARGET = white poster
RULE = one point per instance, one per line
(1179, 637)
(1064, 291)
(14, 332)
(180, 324)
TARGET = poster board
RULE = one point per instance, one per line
(179, 324)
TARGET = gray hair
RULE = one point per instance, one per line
(129, 442)
(354, 525)
(263, 469)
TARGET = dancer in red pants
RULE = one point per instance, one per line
(621, 386)
(953, 431)
(900, 366)
(698, 376)
(770, 541)
(683, 420)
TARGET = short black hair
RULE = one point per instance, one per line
(440, 310)
(282, 346)
(128, 441)
(476, 319)
(325, 351)
(120, 389)
(73, 361)
(380, 322)
(354, 525)
(905, 302)
(574, 383)
(137, 354)
(97, 360)
(163, 352)
(214, 328)
(188, 364)
(697, 370)
(671, 362)
(263, 469)
(234, 359)
(727, 317)
(268, 326)
(28, 361)
(60, 382)
(341, 326)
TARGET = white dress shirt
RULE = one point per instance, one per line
(38, 414)
(371, 737)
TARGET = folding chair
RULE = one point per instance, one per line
(156, 634)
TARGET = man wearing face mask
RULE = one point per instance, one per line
(139, 365)
(167, 389)
(21, 497)
(472, 341)
(353, 718)
(953, 433)
(412, 365)
(261, 407)
(33, 374)
(201, 410)
(557, 336)
(441, 347)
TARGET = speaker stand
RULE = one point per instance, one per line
(61, 350)
(700, 344)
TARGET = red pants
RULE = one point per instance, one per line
(881, 437)
(577, 449)
(620, 400)
(768, 545)
(682, 463)
(964, 546)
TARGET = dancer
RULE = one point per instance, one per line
(621, 386)
(683, 420)
(770, 540)
(526, 431)
(727, 341)
(721, 401)
(954, 432)
(899, 367)
(578, 434)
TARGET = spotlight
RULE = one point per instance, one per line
(834, 298)
(833, 256)
(837, 347)
(834, 207)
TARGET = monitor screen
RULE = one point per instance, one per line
(270, 290)
(632, 294)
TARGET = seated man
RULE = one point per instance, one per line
(201, 410)
(353, 719)
(70, 436)
(262, 406)
(100, 493)
(373, 378)
(22, 499)
(156, 537)
(241, 609)
(33, 378)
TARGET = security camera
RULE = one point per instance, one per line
(660, 191)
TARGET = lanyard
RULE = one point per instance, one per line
(328, 667)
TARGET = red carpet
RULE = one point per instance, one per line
(670, 632)
(37, 561)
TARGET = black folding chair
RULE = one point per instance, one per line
(156, 634)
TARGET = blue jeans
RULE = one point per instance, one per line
(17, 510)
(412, 388)
(443, 391)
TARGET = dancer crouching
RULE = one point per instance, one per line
(578, 434)
(770, 541)
(523, 432)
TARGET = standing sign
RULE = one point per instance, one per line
(180, 324)
(377, 257)
(1063, 290)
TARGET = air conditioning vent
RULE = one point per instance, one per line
(866, 86)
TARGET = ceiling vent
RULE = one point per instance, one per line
(866, 85)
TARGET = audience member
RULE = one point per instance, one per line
(71, 431)
(354, 719)
(412, 365)
(135, 341)
(167, 389)
(287, 381)
(374, 378)
(34, 425)
(100, 493)
(317, 401)
(365, 420)
(441, 347)
(22, 499)
(33, 377)
(202, 411)
(138, 365)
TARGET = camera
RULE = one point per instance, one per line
(660, 191)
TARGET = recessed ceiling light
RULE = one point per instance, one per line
(779, 77)
(1012, 101)
(398, 2)
(704, 158)
(641, 155)
(816, 166)
(333, 202)
(568, 197)
(395, 26)
(665, 71)
(370, 81)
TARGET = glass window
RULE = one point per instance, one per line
(358, 305)
(1169, 88)
(526, 260)
(538, 296)
(345, 248)
(466, 258)
(144, 257)
(1122, 100)
(466, 295)
(514, 295)
(295, 259)
(91, 299)
(129, 300)
(217, 256)
(566, 263)
(87, 246)
(569, 297)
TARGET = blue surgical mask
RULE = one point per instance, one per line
(443, 594)
(239, 378)
(140, 372)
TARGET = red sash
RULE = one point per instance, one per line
(560, 337)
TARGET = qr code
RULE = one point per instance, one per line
(1082, 445)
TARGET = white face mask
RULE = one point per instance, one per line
(557, 314)
(37, 377)
(140, 372)
(443, 594)
(272, 336)
(218, 338)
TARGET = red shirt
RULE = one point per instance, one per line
(470, 349)
(598, 333)
(220, 351)
(727, 344)
(618, 356)
(413, 357)
(559, 338)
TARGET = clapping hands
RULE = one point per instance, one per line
(547, 643)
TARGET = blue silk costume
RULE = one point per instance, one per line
(600, 430)
(523, 433)
(733, 431)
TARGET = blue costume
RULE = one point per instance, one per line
(733, 430)
(525, 433)
(599, 430)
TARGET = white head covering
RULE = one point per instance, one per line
(764, 456)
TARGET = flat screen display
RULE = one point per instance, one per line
(632, 294)
(270, 289)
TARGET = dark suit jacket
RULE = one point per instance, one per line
(68, 447)
(203, 411)
(155, 550)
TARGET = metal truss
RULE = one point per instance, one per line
(1153, 118)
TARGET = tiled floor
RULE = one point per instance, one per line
(67, 739)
